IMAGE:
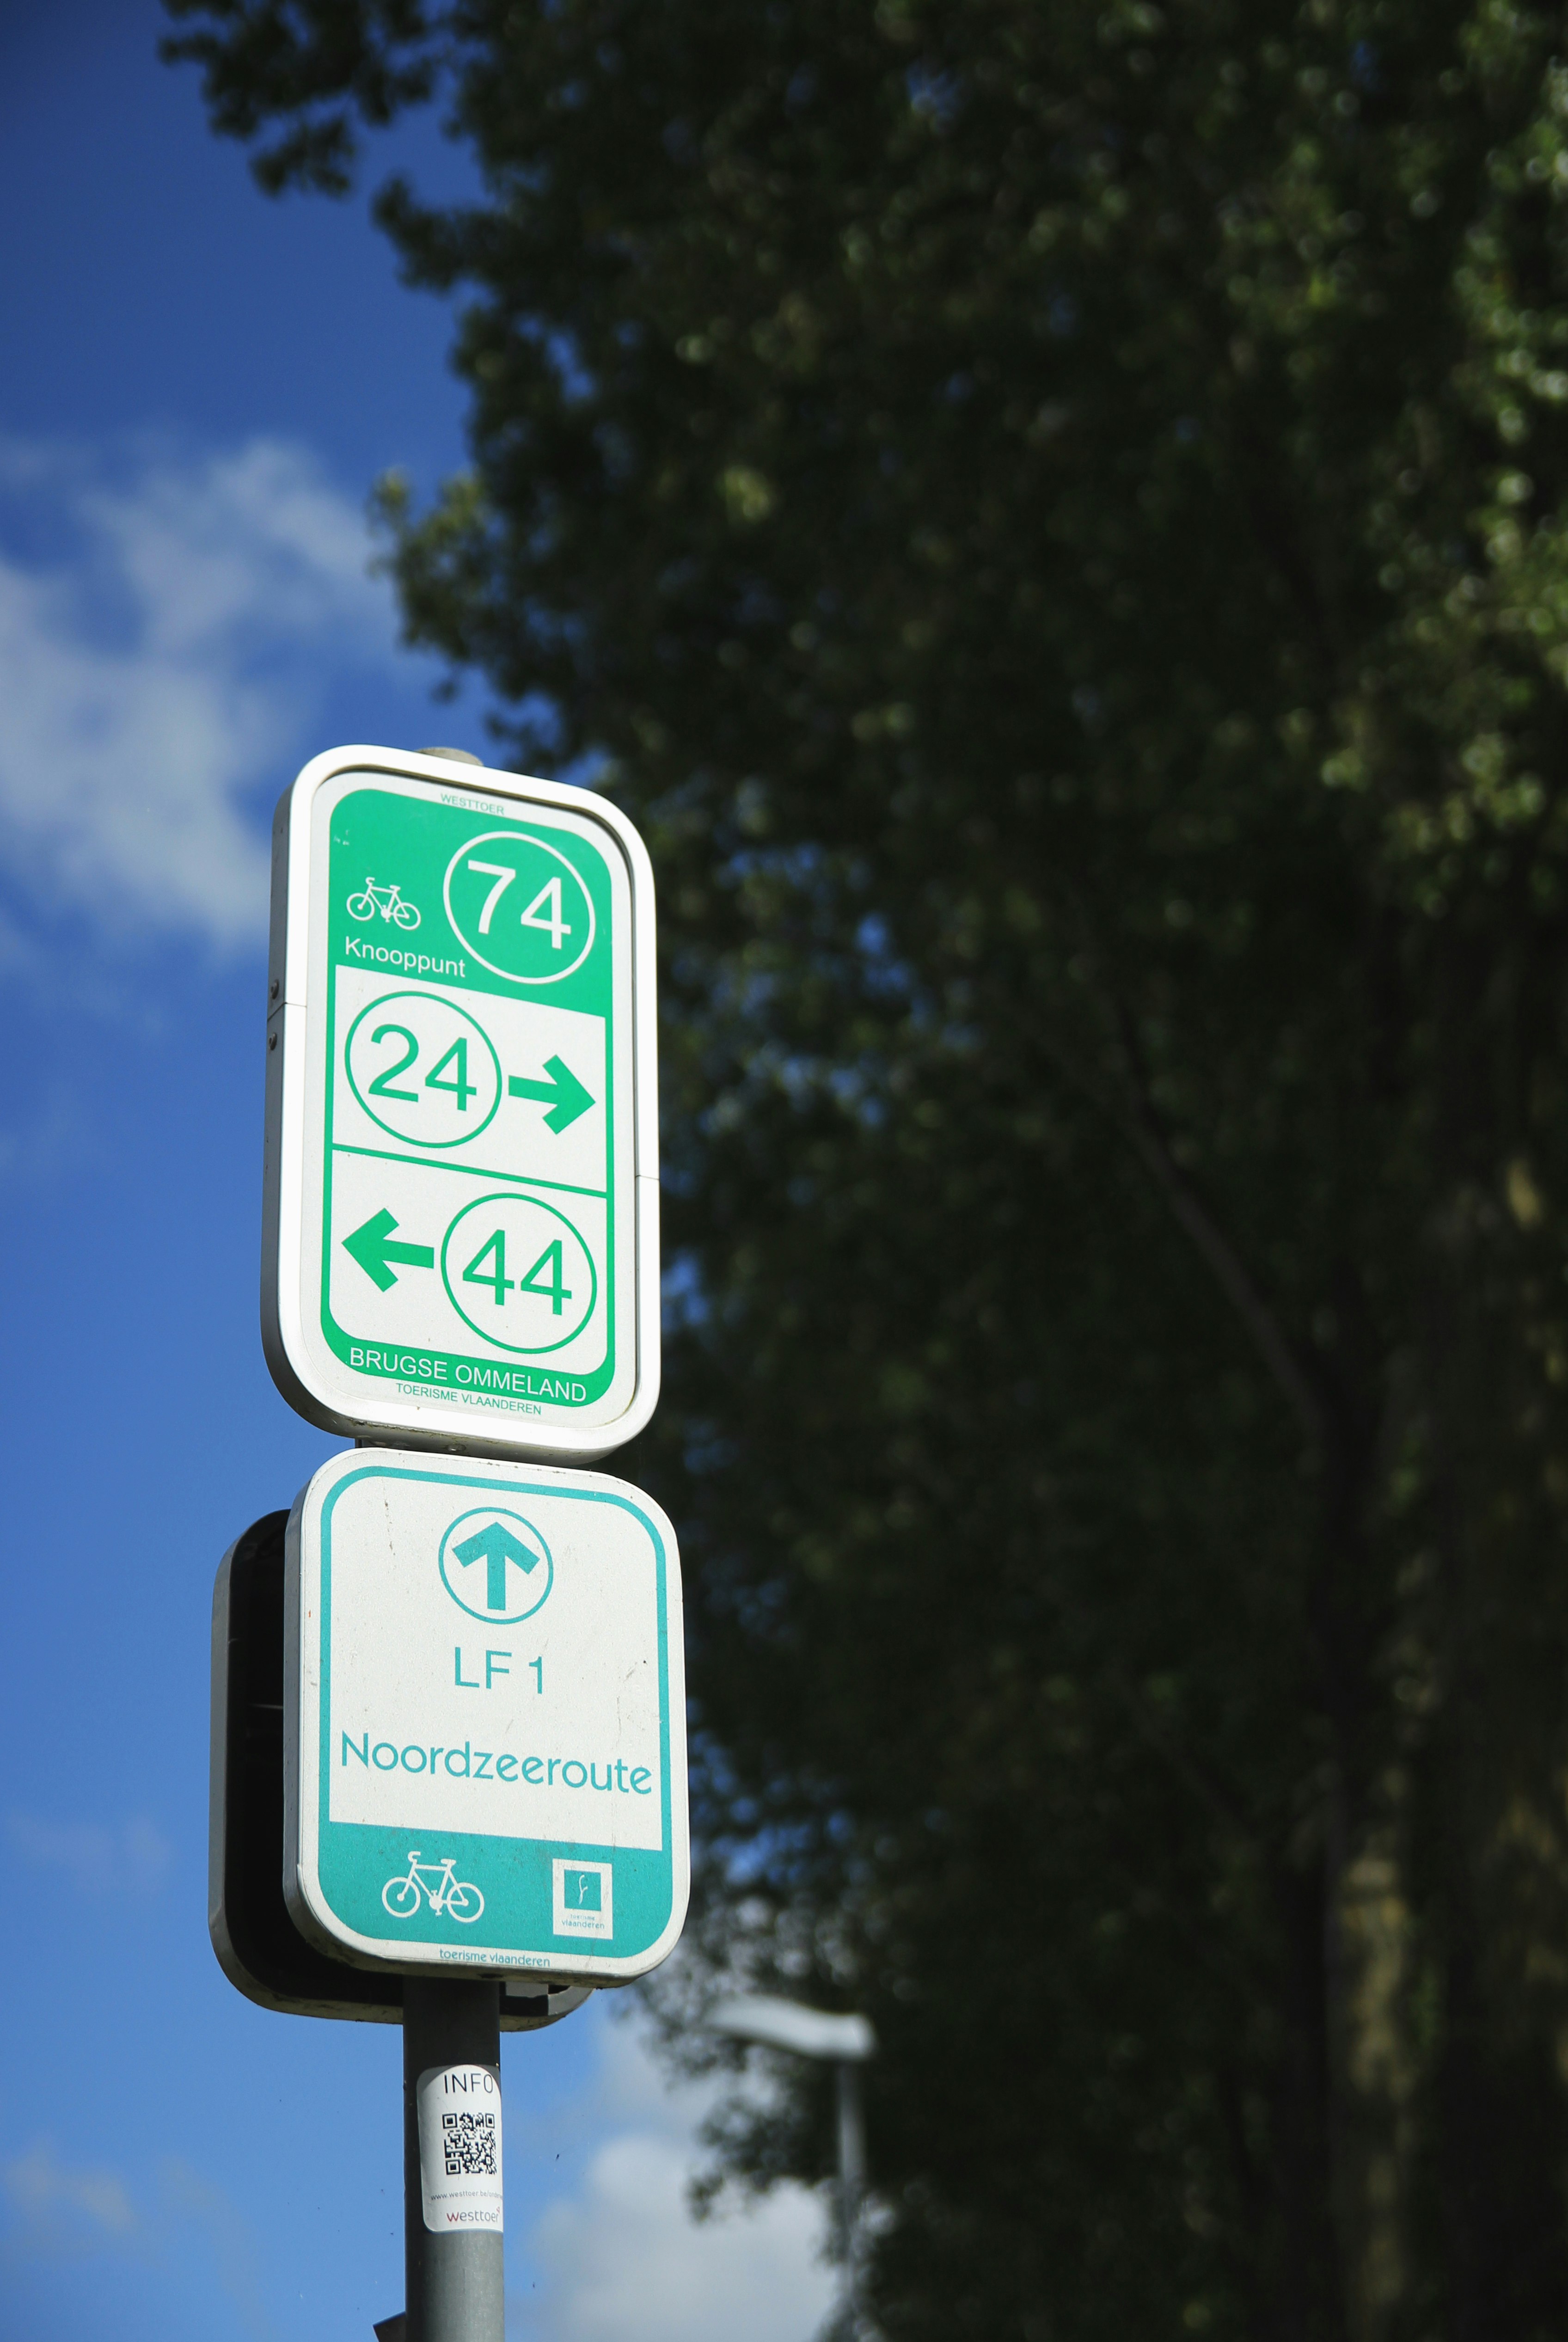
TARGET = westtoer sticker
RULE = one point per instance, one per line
(484, 1712)
(461, 1195)
(459, 2116)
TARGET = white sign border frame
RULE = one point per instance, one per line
(310, 1391)
(301, 1735)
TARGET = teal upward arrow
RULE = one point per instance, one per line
(495, 1546)
(563, 1094)
(372, 1247)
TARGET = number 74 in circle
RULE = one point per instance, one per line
(554, 923)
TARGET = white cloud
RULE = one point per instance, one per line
(63, 2210)
(40, 1146)
(97, 1860)
(65, 2206)
(626, 2262)
(230, 2238)
(156, 673)
(622, 2259)
(615, 2252)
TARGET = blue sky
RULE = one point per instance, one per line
(197, 388)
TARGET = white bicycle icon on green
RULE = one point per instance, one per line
(450, 1894)
(388, 901)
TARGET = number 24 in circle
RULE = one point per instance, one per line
(460, 1086)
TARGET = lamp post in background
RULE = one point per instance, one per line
(847, 2042)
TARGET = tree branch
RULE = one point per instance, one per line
(1229, 1271)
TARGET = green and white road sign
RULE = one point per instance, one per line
(483, 1720)
(462, 1166)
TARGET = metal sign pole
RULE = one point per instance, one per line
(453, 2276)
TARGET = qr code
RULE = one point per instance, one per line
(469, 2145)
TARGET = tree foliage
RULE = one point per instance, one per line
(1053, 518)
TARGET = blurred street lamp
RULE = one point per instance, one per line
(848, 2042)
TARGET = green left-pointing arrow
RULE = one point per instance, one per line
(372, 1247)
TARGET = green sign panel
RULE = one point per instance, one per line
(462, 1166)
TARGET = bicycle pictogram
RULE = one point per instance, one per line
(388, 901)
(401, 1895)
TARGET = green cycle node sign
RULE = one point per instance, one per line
(483, 1720)
(461, 1169)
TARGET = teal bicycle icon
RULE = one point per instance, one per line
(451, 1894)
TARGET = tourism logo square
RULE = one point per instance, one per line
(584, 1899)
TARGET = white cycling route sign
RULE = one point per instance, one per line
(485, 1743)
(461, 1223)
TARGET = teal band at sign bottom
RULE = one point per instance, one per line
(517, 1880)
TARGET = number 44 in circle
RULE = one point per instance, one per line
(554, 1289)
(543, 912)
(518, 1252)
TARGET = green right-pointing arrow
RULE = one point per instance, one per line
(563, 1094)
(372, 1247)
